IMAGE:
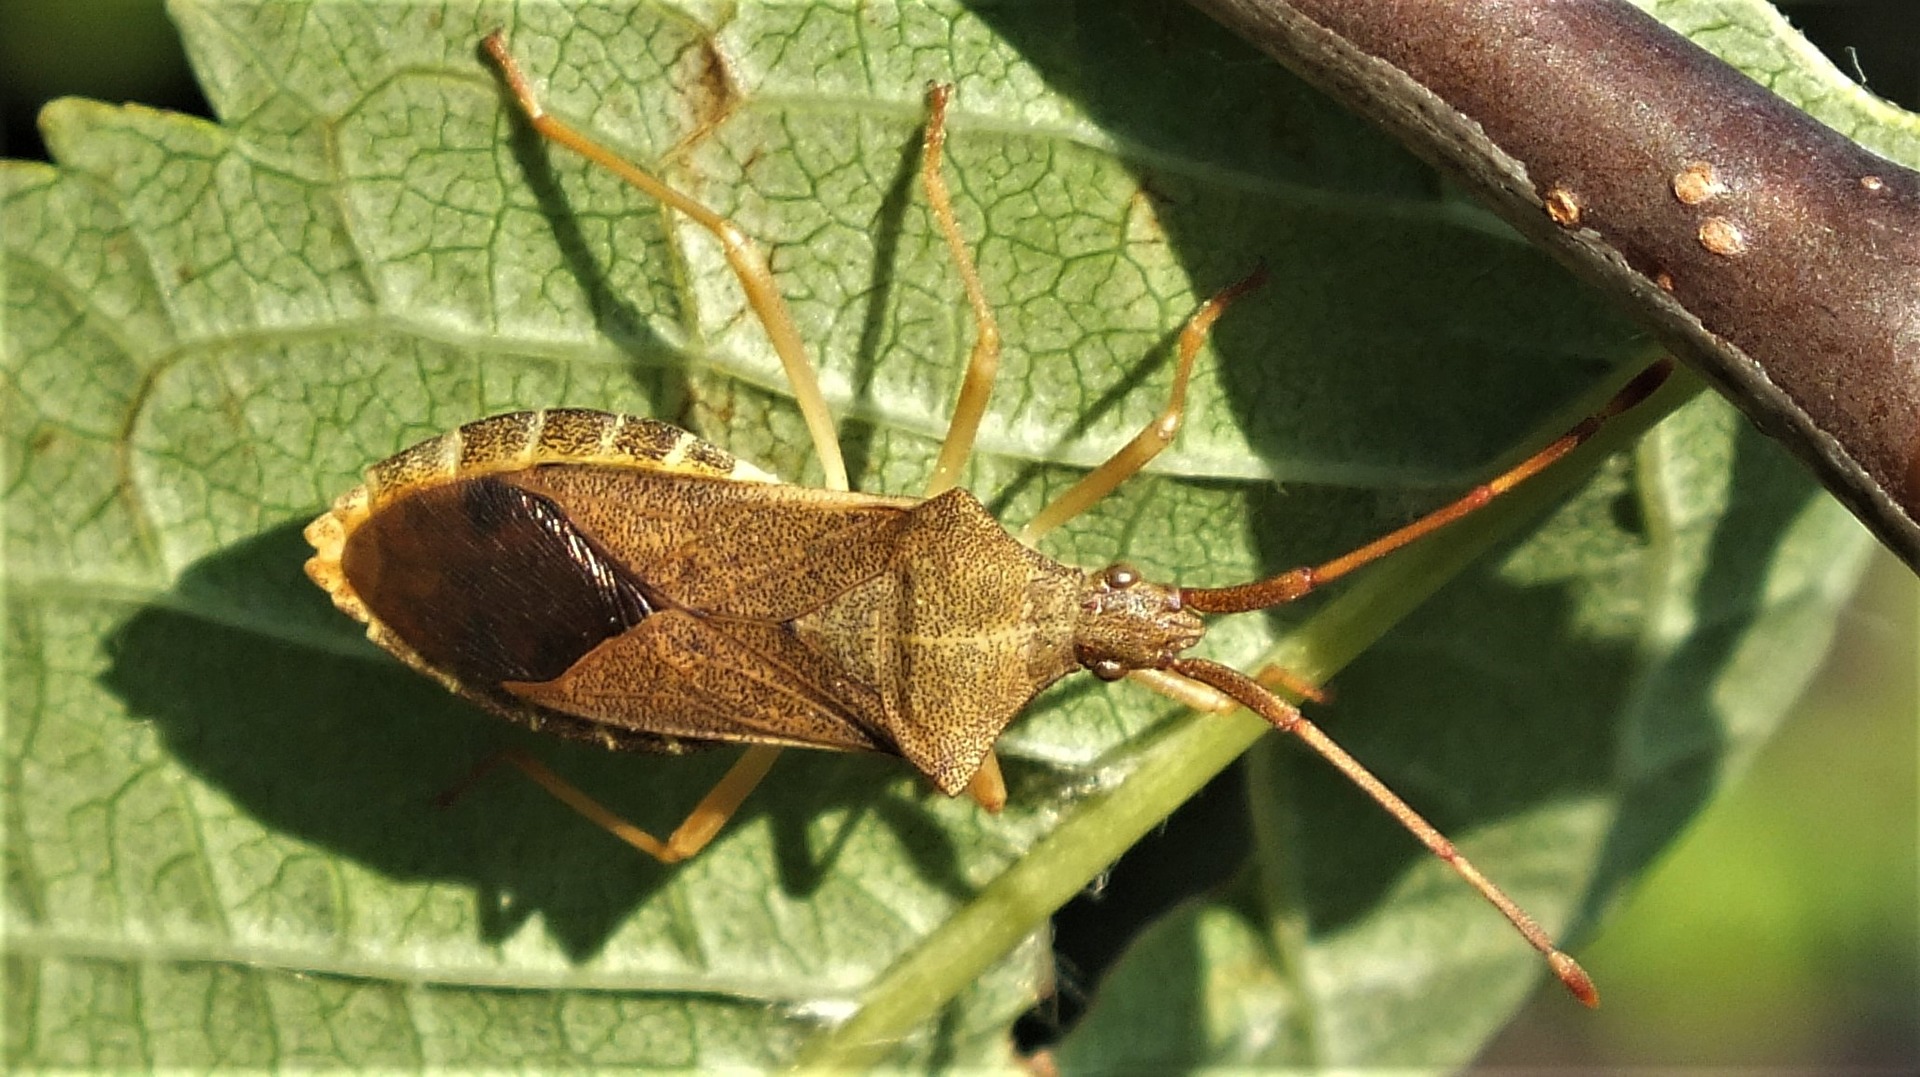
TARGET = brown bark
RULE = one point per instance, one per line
(1770, 252)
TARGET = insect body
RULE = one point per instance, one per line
(618, 580)
(613, 578)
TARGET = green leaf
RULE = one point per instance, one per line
(219, 845)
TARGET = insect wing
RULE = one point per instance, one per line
(680, 674)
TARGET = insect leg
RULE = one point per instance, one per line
(1196, 696)
(1188, 693)
(749, 265)
(1294, 583)
(1158, 434)
(984, 361)
(1286, 718)
(987, 787)
(693, 833)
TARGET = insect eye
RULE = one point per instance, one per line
(1120, 576)
(1107, 669)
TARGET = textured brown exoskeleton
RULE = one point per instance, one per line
(616, 579)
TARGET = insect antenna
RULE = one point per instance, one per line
(1292, 584)
(1288, 719)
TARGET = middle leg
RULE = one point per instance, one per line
(692, 835)
(983, 363)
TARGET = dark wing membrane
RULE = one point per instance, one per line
(489, 582)
(679, 674)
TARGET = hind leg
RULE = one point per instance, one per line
(691, 836)
(748, 264)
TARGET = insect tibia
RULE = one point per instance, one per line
(1126, 624)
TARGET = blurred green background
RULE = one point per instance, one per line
(1782, 932)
